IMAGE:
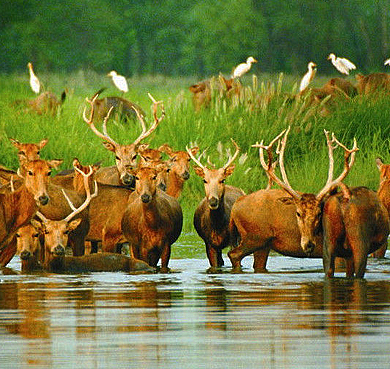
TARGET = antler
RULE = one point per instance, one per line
(349, 159)
(195, 159)
(145, 133)
(270, 166)
(91, 125)
(232, 158)
(89, 197)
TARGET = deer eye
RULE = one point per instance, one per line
(298, 214)
(134, 157)
(117, 158)
(222, 181)
(204, 181)
(46, 231)
(30, 173)
(137, 178)
(22, 153)
(154, 178)
(67, 231)
(38, 152)
(17, 235)
(35, 235)
(49, 173)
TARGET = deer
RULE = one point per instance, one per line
(152, 221)
(383, 193)
(45, 103)
(29, 151)
(125, 155)
(178, 169)
(354, 222)
(123, 107)
(28, 247)
(282, 220)
(19, 203)
(212, 215)
(374, 82)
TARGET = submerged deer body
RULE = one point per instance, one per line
(125, 155)
(152, 221)
(211, 218)
(270, 219)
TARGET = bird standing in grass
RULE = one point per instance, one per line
(387, 62)
(119, 81)
(341, 64)
(243, 68)
(34, 81)
(308, 77)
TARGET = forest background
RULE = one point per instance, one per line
(191, 38)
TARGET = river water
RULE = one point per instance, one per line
(291, 317)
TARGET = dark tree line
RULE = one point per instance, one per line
(188, 37)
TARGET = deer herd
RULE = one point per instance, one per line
(79, 220)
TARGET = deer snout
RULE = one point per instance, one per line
(308, 247)
(213, 202)
(146, 198)
(59, 250)
(186, 175)
(43, 199)
(25, 255)
(128, 180)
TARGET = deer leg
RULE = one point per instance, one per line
(360, 260)
(380, 253)
(212, 255)
(165, 256)
(78, 245)
(260, 260)
(350, 268)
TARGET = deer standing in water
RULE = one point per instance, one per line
(152, 221)
(211, 218)
(274, 219)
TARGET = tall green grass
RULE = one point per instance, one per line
(262, 112)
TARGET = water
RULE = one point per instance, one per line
(291, 317)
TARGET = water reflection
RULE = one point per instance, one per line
(192, 319)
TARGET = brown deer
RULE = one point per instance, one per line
(384, 195)
(152, 221)
(19, 204)
(56, 232)
(211, 218)
(125, 109)
(29, 151)
(125, 155)
(45, 103)
(355, 223)
(202, 91)
(374, 82)
(28, 247)
(269, 219)
(179, 169)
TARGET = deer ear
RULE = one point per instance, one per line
(286, 200)
(194, 150)
(229, 170)
(43, 143)
(109, 146)
(39, 226)
(379, 163)
(74, 224)
(55, 163)
(199, 171)
(14, 142)
(165, 148)
(76, 163)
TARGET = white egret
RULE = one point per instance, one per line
(387, 62)
(34, 81)
(308, 77)
(119, 81)
(341, 64)
(242, 68)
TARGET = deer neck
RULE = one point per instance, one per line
(151, 212)
(175, 185)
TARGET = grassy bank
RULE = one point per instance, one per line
(306, 152)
